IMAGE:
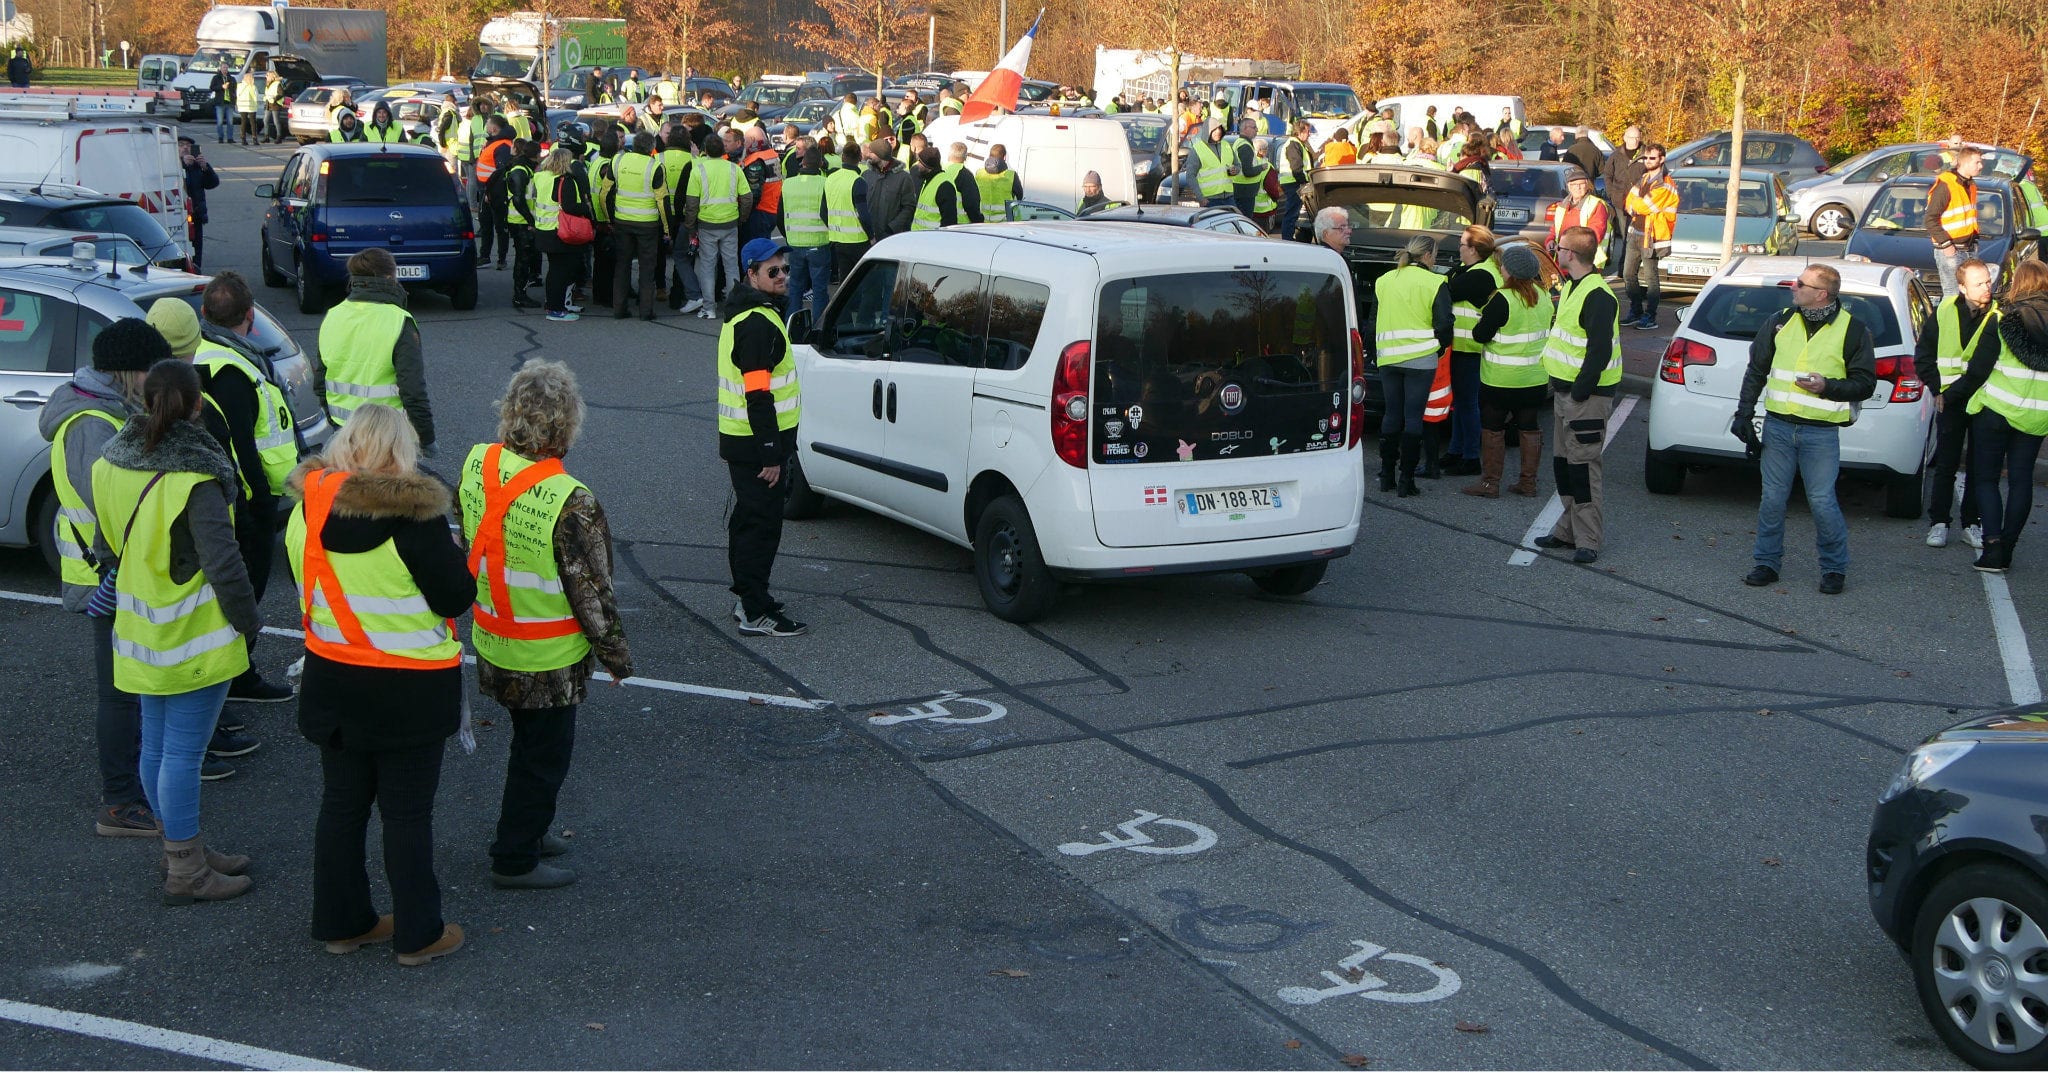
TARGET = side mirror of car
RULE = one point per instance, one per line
(800, 325)
(267, 190)
(1790, 217)
(1880, 177)
(2031, 234)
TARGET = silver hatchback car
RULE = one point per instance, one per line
(50, 311)
(1830, 203)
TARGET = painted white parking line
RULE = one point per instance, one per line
(774, 700)
(2021, 681)
(1546, 519)
(204, 1048)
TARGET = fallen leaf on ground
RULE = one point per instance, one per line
(1292, 1045)
(1902, 674)
(1356, 1061)
(594, 1026)
(1014, 974)
(758, 702)
(1473, 1027)
(1668, 670)
(1763, 711)
(1774, 862)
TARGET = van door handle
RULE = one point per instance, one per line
(892, 403)
(25, 398)
(878, 399)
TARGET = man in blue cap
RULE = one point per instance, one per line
(759, 403)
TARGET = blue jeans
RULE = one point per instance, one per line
(223, 120)
(1814, 453)
(1290, 209)
(1464, 405)
(1946, 258)
(175, 731)
(810, 269)
(1407, 390)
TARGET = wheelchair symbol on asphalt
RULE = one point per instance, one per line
(937, 711)
(1138, 841)
(1352, 979)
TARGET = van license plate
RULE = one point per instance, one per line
(412, 271)
(1230, 500)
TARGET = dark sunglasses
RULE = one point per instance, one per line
(778, 272)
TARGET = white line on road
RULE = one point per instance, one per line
(775, 700)
(204, 1048)
(2020, 679)
(1546, 519)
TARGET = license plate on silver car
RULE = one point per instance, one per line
(1691, 268)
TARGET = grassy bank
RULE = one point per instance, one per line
(85, 76)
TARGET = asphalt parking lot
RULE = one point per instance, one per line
(1459, 807)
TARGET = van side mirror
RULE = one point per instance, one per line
(267, 190)
(800, 325)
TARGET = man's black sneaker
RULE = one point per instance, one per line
(228, 743)
(1585, 555)
(126, 821)
(1831, 584)
(1548, 541)
(252, 689)
(1759, 577)
(230, 723)
(773, 624)
(214, 769)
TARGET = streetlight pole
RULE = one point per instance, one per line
(1002, 28)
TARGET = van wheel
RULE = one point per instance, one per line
(803, 501)
(463, 295)
(312, 298)
(1008, 568)
(1293, 580)
(271, 276)
(1661, 476)
(44, 532)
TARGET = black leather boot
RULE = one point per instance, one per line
(1390, 453)
(1411, 454)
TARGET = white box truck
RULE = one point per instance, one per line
(1050, 153)
(337, 42)
(511, 45)
(111, 144)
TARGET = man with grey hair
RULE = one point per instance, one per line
(1333, 228)
(1091, 191)
(1624, 168)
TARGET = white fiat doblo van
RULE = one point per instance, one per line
(1083, 401)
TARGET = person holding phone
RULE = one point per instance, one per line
(1810, 364)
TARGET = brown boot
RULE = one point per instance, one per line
(188, 878)
(449, 942)
(1532, 456)
(227, 864)
(1493, 452)
(380, 933)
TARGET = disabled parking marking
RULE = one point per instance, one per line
(1553, 510)
(1138, 841)
(203, 1048)
(937, 711)
(1351, 978)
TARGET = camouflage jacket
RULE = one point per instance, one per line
(583, 554)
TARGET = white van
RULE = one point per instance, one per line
(100, 142)
(1084, 401)
(158, 70)
(1411, 110)
(1049, 153)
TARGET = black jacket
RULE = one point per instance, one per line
(199, 178)
(2023, 328)
(236, 395)
(1596, 319)
(1928, 368)
(1858, 381)
(756, 347)
(342, 705)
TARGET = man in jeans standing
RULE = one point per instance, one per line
(1951, 221)
(1653, 214)
(1811, 364)
(220, 90)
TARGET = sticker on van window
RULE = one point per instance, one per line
(1113, 429)
(1155, 496)
(1137, 415)
(1140, 449)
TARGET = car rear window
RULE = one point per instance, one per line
(1145, 137)
(1904, 208)
(123, 218)
(393, 180)
(1738, 311)
(1702, 195)
(1525, 182)
(1203, 365)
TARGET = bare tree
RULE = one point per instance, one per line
(672, 29)
(874, 35)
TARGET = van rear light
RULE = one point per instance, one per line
(1070, 405)
(1681, 353)
(1906, 385)
(1357, 390)
(319, 236)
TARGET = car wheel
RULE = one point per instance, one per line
(1906, 495)
(1291, 580)
(45, 530)
(1008, 567)
(1662, 476)
(311, 296)
(803, 502)
(271, 276)
(1979, 962)
(463, 295)
(1833, 223)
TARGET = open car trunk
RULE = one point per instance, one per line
(1388, 205)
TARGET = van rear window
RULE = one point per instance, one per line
(1205, 365)
(394, 180)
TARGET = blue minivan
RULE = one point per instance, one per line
(335, 200)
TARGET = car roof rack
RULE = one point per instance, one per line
(50, 107)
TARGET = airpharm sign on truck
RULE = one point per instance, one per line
(509, 46)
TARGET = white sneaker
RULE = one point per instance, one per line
(1975, 535)
(739, 611)
(1937, 535)
(692, 306)
(706, 314)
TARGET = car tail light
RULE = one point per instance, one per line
(1070, 405)
(1906, 385)
(1357, 390)
(1681, 353)
(319, 236)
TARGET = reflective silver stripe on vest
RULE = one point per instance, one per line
(281, 438)
(2010, 399)
(1514, 359)
(67, 547)
(171, 657)
(1524, 337)
(163, 616)
(526, 579)
(782, 406)
(378, 605)
(77, 515)
(363, 391)
(1424, 342)
(381, 640)
(1800, 398)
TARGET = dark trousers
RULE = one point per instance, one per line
(603, 253)
(1951, 452)
(758, 224)
(197, 233)
(753, 535)
(1995, 445)
(542, 741)
(565, 263)
(636, 243)
(1246, 198)
(256, 534)
(525, 259)
(117, 725)
(494, 230)
(844, 256)
(401, 783)
(1464, 405)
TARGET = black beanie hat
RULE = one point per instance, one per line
(128, 344)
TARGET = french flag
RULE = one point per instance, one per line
(999, 90)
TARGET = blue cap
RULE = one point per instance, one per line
(759, 250)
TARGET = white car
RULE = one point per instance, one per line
(1082, 401)
(1699, 379)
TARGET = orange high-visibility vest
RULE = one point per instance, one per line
(1437, 407)
(1658, 206)
(487, 551)
(1960, 218)
(320, 587)
(769, 199)
(1591, 213)
(487, 161)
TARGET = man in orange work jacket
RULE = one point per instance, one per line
(1652, 215)
(763, 169)
(1952, 216)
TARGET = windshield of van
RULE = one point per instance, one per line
(211, 59)
(500, 65)
(1326, 102)
(770, 94)
(1204, 365)
(1146, 135)
(1739, 312)
(398, 180)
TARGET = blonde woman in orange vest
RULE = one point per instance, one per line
(380, 581)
